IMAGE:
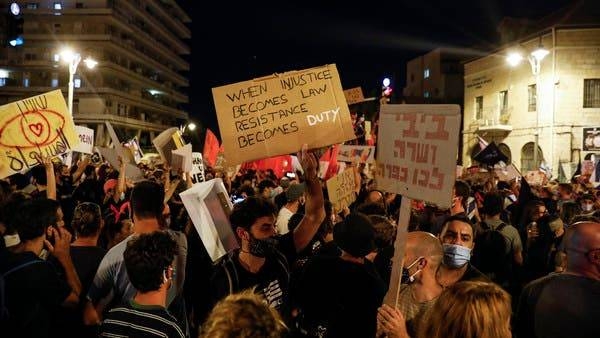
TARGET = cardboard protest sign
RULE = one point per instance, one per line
(276, 115)
(354, 95)
(181, 159)
(209, 206)
(168, 141)
(341, 189)
(507, 173)
(86, 140)
(417, 148)
(349, 153)
(36, 127)
(136, 150)
(197, 171)
(111, 155)
(121, 151)
(535, 178)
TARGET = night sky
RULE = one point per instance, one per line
(237, 42)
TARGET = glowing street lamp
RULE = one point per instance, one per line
(72, 59)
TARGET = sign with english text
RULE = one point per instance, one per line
(417, 148)
(33, 128)
(341, 189)
(277, 114)
(197, 172)
(86, 140)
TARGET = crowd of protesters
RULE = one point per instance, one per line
(87, 252)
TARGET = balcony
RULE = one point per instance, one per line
(494, 120)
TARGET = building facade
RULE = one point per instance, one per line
(511, 105)
(139, 84)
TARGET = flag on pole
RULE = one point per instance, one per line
(211, 148)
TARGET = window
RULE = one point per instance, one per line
(77, 82)
(532, 98)
(58, 6)
(79, 5)
(32, 5)
(479, 107)
(412, 77)
(426, 73)
(426, 94)
(25, 82)
(2, 81)
(591, 93)
(54, 81)
(56, 57)
(503, 101)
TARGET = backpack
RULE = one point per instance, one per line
(4, 315)
(492, 254)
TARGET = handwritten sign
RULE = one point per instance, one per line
(197, 172)
(348, 153)
(341, 189)
(275, 115)
(36, 127)
(417, 148)
(86, 140)
(354, 95)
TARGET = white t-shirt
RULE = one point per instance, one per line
(282, 220)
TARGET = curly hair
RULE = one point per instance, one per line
(87, 219)
(243, 315)
(146, 259)
(469, 309)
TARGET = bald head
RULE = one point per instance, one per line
(423, 244)
(581, 238)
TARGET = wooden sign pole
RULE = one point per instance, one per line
(391, 298)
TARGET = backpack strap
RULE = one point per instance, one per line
(501, 226)
(18, 267)
(231, 272)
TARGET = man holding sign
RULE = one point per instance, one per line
(264, 259)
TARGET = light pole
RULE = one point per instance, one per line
(535, 60)
(73, 59)
(191, 126)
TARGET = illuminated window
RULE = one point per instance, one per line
(503, 101)
(479, 107)
(426, 73)
(77, 82)
(58, 6)
(531, 97)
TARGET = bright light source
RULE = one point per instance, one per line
(540, 53)
(386, 82)
(57, 6)
(68, 55)
(16, 42)
(3, 73)
(90, 63)
(192, 126)
(514, 59)
(154, 92)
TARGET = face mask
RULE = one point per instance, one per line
(587, 207)
(122, 197)
(261, 247)
(407, 278)
(456, 256)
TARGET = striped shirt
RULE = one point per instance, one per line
(136, 320)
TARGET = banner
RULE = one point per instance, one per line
(197, 172)
(341, 189)
(417, 149)
(276, 115)
(86, 140)
(349, 153)
(36, 127)
(209, 207)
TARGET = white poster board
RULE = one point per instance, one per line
(197, 172)
(209, 207)
(417, 150)
(86, 140)
(181, 159)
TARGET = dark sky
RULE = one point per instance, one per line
(368, 41)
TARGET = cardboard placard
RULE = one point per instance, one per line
(535, 178)
(354, 95)
(341, 189)
(276, 115)
(168, 141)
(135, 149)
(417, 149)
(36, 127)
(197, 172)
(349, 153)
(209, 207)
(111, 155)
(86, 140)
(181, 159)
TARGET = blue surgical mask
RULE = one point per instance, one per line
(407, 278)
(456, 256)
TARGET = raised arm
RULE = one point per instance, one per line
(50, 178)
(314, 206)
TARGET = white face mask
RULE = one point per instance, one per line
(587, 206)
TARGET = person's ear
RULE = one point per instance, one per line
(242, 233)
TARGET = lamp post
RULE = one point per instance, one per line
(191, 126)
(72, 59)
(535, 60)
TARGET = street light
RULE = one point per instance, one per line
(191, 126)
(72, 59)
(535, 60)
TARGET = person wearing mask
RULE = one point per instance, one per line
(420, 289)
(458, 241)
(586, 202)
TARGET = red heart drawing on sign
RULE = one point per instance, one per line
(36, 128)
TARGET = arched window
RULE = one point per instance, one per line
(527, 158)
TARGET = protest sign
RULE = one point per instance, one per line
(111, 155)
(276, 115)
(168, 141)
(417, 150)
(535, 178)
(86, 140)
(197, 172)
(120, 150)
(36, 127)
(349, 153)
(354, 95)
(136, 150)
(341, 189)
(181, 159)
(209, 206)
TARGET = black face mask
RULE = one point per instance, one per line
(261, 247)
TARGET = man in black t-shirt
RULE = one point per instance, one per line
(263, 260)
